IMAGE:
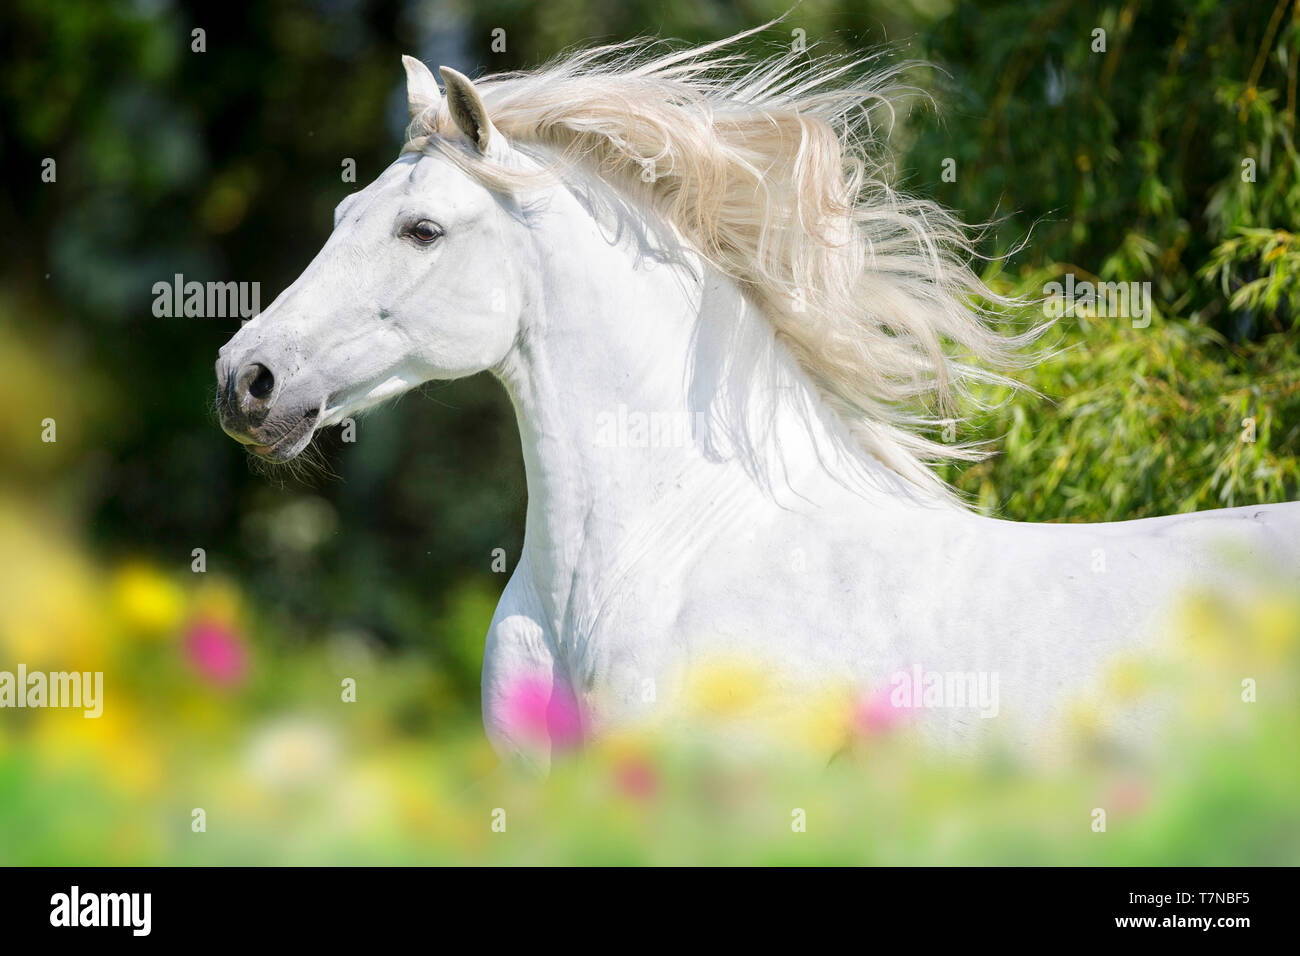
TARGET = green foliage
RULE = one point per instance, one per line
(1142, 162)
(1169, 158)
(1273, 255)
(1143, 422)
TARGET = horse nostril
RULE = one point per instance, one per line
(261, 385)
(254, 384)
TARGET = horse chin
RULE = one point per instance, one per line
(291, 443)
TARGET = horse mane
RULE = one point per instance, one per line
(768, 170)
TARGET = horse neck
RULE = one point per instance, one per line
(623, 337)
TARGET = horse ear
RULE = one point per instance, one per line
(421, 88)
(467, 109)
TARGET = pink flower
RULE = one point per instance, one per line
(217, 652)
(538, 708)
(636, 778)
(1129, 796)
(875, 714)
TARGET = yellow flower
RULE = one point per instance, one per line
(218, 600)
(1274, 624)
(1084, 720)
(1207, 627)
(726, 688)
(1125, 680)
(120, 743)
(625, 743)
(823, 723)
(50, 602)
(147, 601)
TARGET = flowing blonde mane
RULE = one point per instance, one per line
(767, 169)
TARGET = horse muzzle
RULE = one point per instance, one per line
(255, 412)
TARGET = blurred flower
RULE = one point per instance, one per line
(1274, 621)
(820, 723)
(1126, 679)
(217, 652)
(636, 777)
(147, 601)
(875, 713)
(292, 752)
(217, 599)
(536, 708)
(1084, 720)
(726, 688)
(1128, 796)
(51, 599)
(123, 744)
(1208, 625)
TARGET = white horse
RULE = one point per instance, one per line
(712, 315)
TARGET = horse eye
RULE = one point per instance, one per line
(426, 231)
